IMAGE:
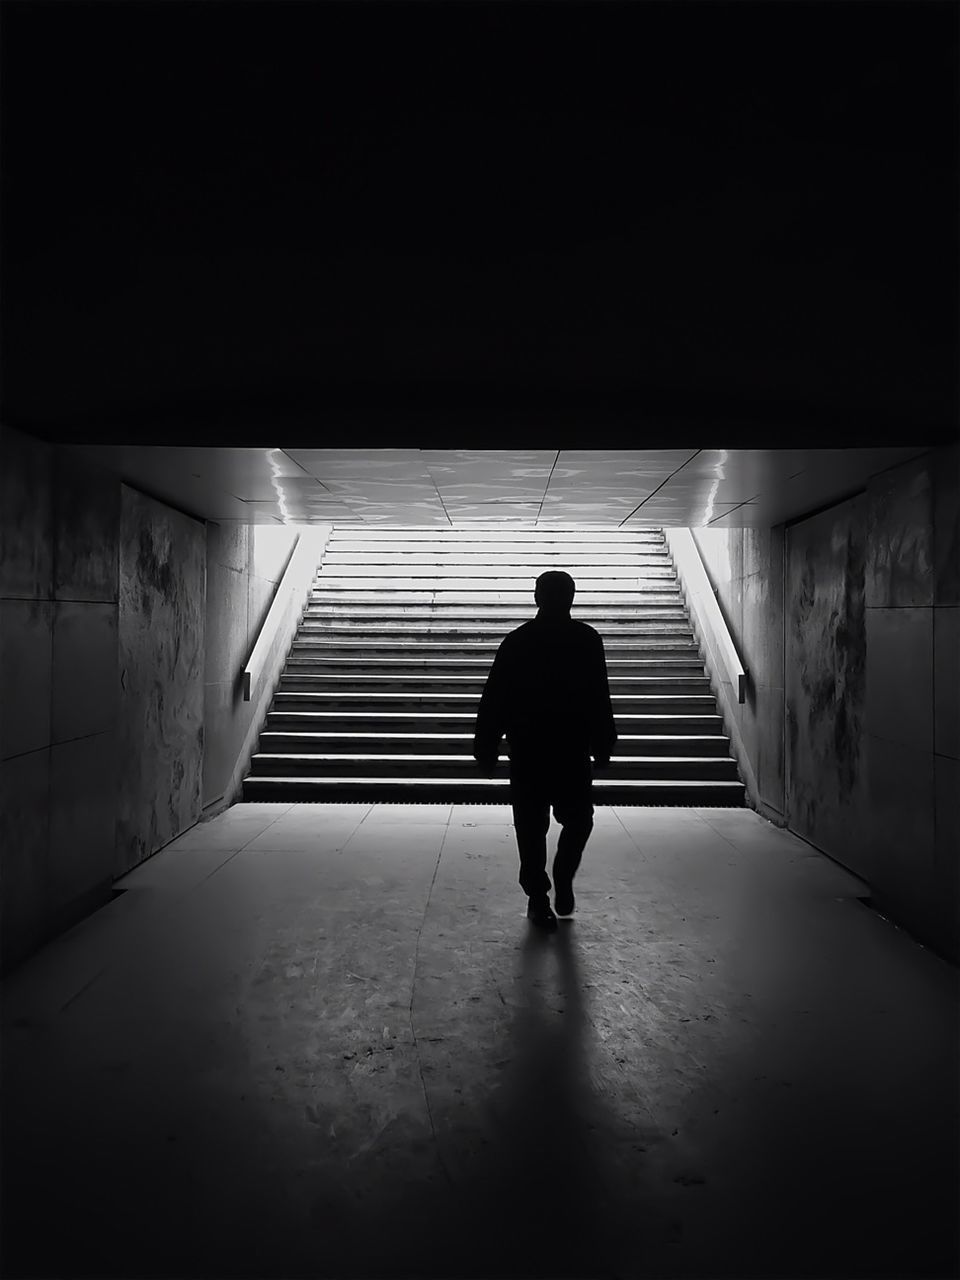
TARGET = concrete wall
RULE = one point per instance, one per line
(913, 694)
(746, 569)
(244, 565)
(162, 586)
(59, 548)
(118, 716)
(852, 725)
(825, 683)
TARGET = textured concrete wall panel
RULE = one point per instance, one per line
(271, 546)
(902, 833)
(900, 703)
(86, 503)
(83, 811)
(226, 649)
(912, 695)
(946, 681)
(946, 526)
(162, 606)
(761, 648)
(26, 658)
(899, 564)
(260, 593)
(244, 566)
(826, 682)
(58, 689)
(946, 855)
(226, 637)
(229, 545)
(24, 851)
(745, 567)
(26, 516)
(84, 694)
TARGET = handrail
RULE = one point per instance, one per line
(700, 594)
(299, 570)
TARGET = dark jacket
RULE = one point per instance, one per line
(547, 691)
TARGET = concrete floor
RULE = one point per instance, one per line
(324, 1040)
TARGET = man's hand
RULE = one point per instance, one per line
(487, 765)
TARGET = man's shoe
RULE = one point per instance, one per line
(541, 913)
(564, 900)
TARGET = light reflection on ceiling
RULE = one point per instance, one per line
(456, 488)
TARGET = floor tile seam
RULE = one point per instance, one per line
(726, 839)
(623, 827)
(181, 897)
(161, 907)
(370, 809)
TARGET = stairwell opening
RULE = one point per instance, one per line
(377, 699)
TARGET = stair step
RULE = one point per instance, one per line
(439, 720)
(392, 765)
(506, 573)
(276, 741)
(472, 656)
(374, 620)
(421, 682)
(412, 663)
(373, 656)
(430, 639)
(371, 700)
(493, 535)
(520, 603)
(475, 663)
(453, 557)
(487, 790)
(519, 589)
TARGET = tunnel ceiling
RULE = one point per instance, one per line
(460, 488)
(652, 225)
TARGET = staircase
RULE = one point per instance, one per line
(378, 697)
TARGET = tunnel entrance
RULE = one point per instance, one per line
(379, 693)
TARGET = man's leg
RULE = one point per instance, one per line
(531, 821)
(574, 811)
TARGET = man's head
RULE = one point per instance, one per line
(555, 591)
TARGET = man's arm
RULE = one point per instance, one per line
(603, 731)
(491, 713)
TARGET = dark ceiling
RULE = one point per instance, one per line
(466, 225)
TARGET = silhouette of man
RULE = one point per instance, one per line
(548, 692)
